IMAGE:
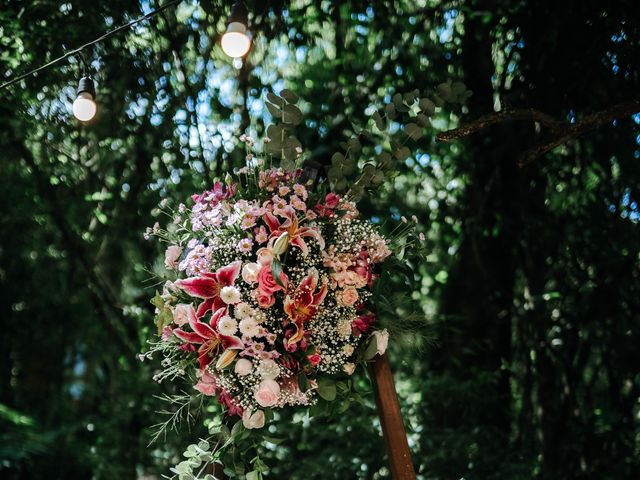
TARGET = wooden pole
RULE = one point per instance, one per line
(395, 437)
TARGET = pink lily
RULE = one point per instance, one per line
(304, 304)
(291, 226)
(207, 337)
(208, 287)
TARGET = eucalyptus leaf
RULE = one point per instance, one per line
(275, 99)
(292, 114)
(413, 131)
(289, 96)
(275, 111)
(379, 121)
(427, 106)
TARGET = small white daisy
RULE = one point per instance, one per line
(230, 295)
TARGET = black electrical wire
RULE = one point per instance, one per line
(78, 50)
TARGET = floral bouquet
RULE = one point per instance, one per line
(271, 303)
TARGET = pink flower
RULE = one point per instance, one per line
(252, 420)
(207, 337)
(181, 314)
(292, 227)
(347, 297)
(297, 203)
(331, 200)
(363, 323)
(209, 285)
(267, 285)
(207, 383)
(245, 245)
(314, 359)
(300, 191)
(264, 300)
(171, 257)
(261, 234)
(283, 190)
(267, 393)
(303, 305)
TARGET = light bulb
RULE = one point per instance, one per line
(235, 42)
(84, 106)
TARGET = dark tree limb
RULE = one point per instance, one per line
(559, 131)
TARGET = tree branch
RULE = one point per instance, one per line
(560, 132)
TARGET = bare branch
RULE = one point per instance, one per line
(560, 132)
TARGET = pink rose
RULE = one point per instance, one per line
(171, 256)
(264, 300)
(252, 420)
(314, 359)
(266, 283)
(207, 383)
(331, 200)
(267, 393)
(264, 256)
(181, 314)
(347, 297)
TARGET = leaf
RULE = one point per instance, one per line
(413, 131)
(289, 96)
(303, 382)
(402, 153)
(427, 106)
(334, 174)
(276, 271)
(253, 475)
(379, 121)
(327, 389)
(292, 114)
(354, 144)
(390, 110)
(422, 120)
(371, 350)
(274, 110)
(157, 301)
(275, 99)
(337, 159)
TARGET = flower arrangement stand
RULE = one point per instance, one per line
(395, 437)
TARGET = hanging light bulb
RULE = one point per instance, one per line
(84, 106)
(236, 41)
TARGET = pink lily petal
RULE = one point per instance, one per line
(188, 336)
(217, 315)
(204, 330)
(203, 356)
(204, 307)
(301, 244)
(231, 343)
(227, 275)
(201, 287)
(272, 222)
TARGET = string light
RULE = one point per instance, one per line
(236, 41)
(84, 106)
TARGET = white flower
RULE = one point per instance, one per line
(227, 326)
(181, 314)
(252, 420)
(347, 349)
(243, 310)
(344, 328)
(250, 272)
(230, 295)
(349, 368)
(249, 327)
(171, 257)
(382, 340)
(243, 367)
(268, 369)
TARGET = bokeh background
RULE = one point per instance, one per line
(532, 286)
